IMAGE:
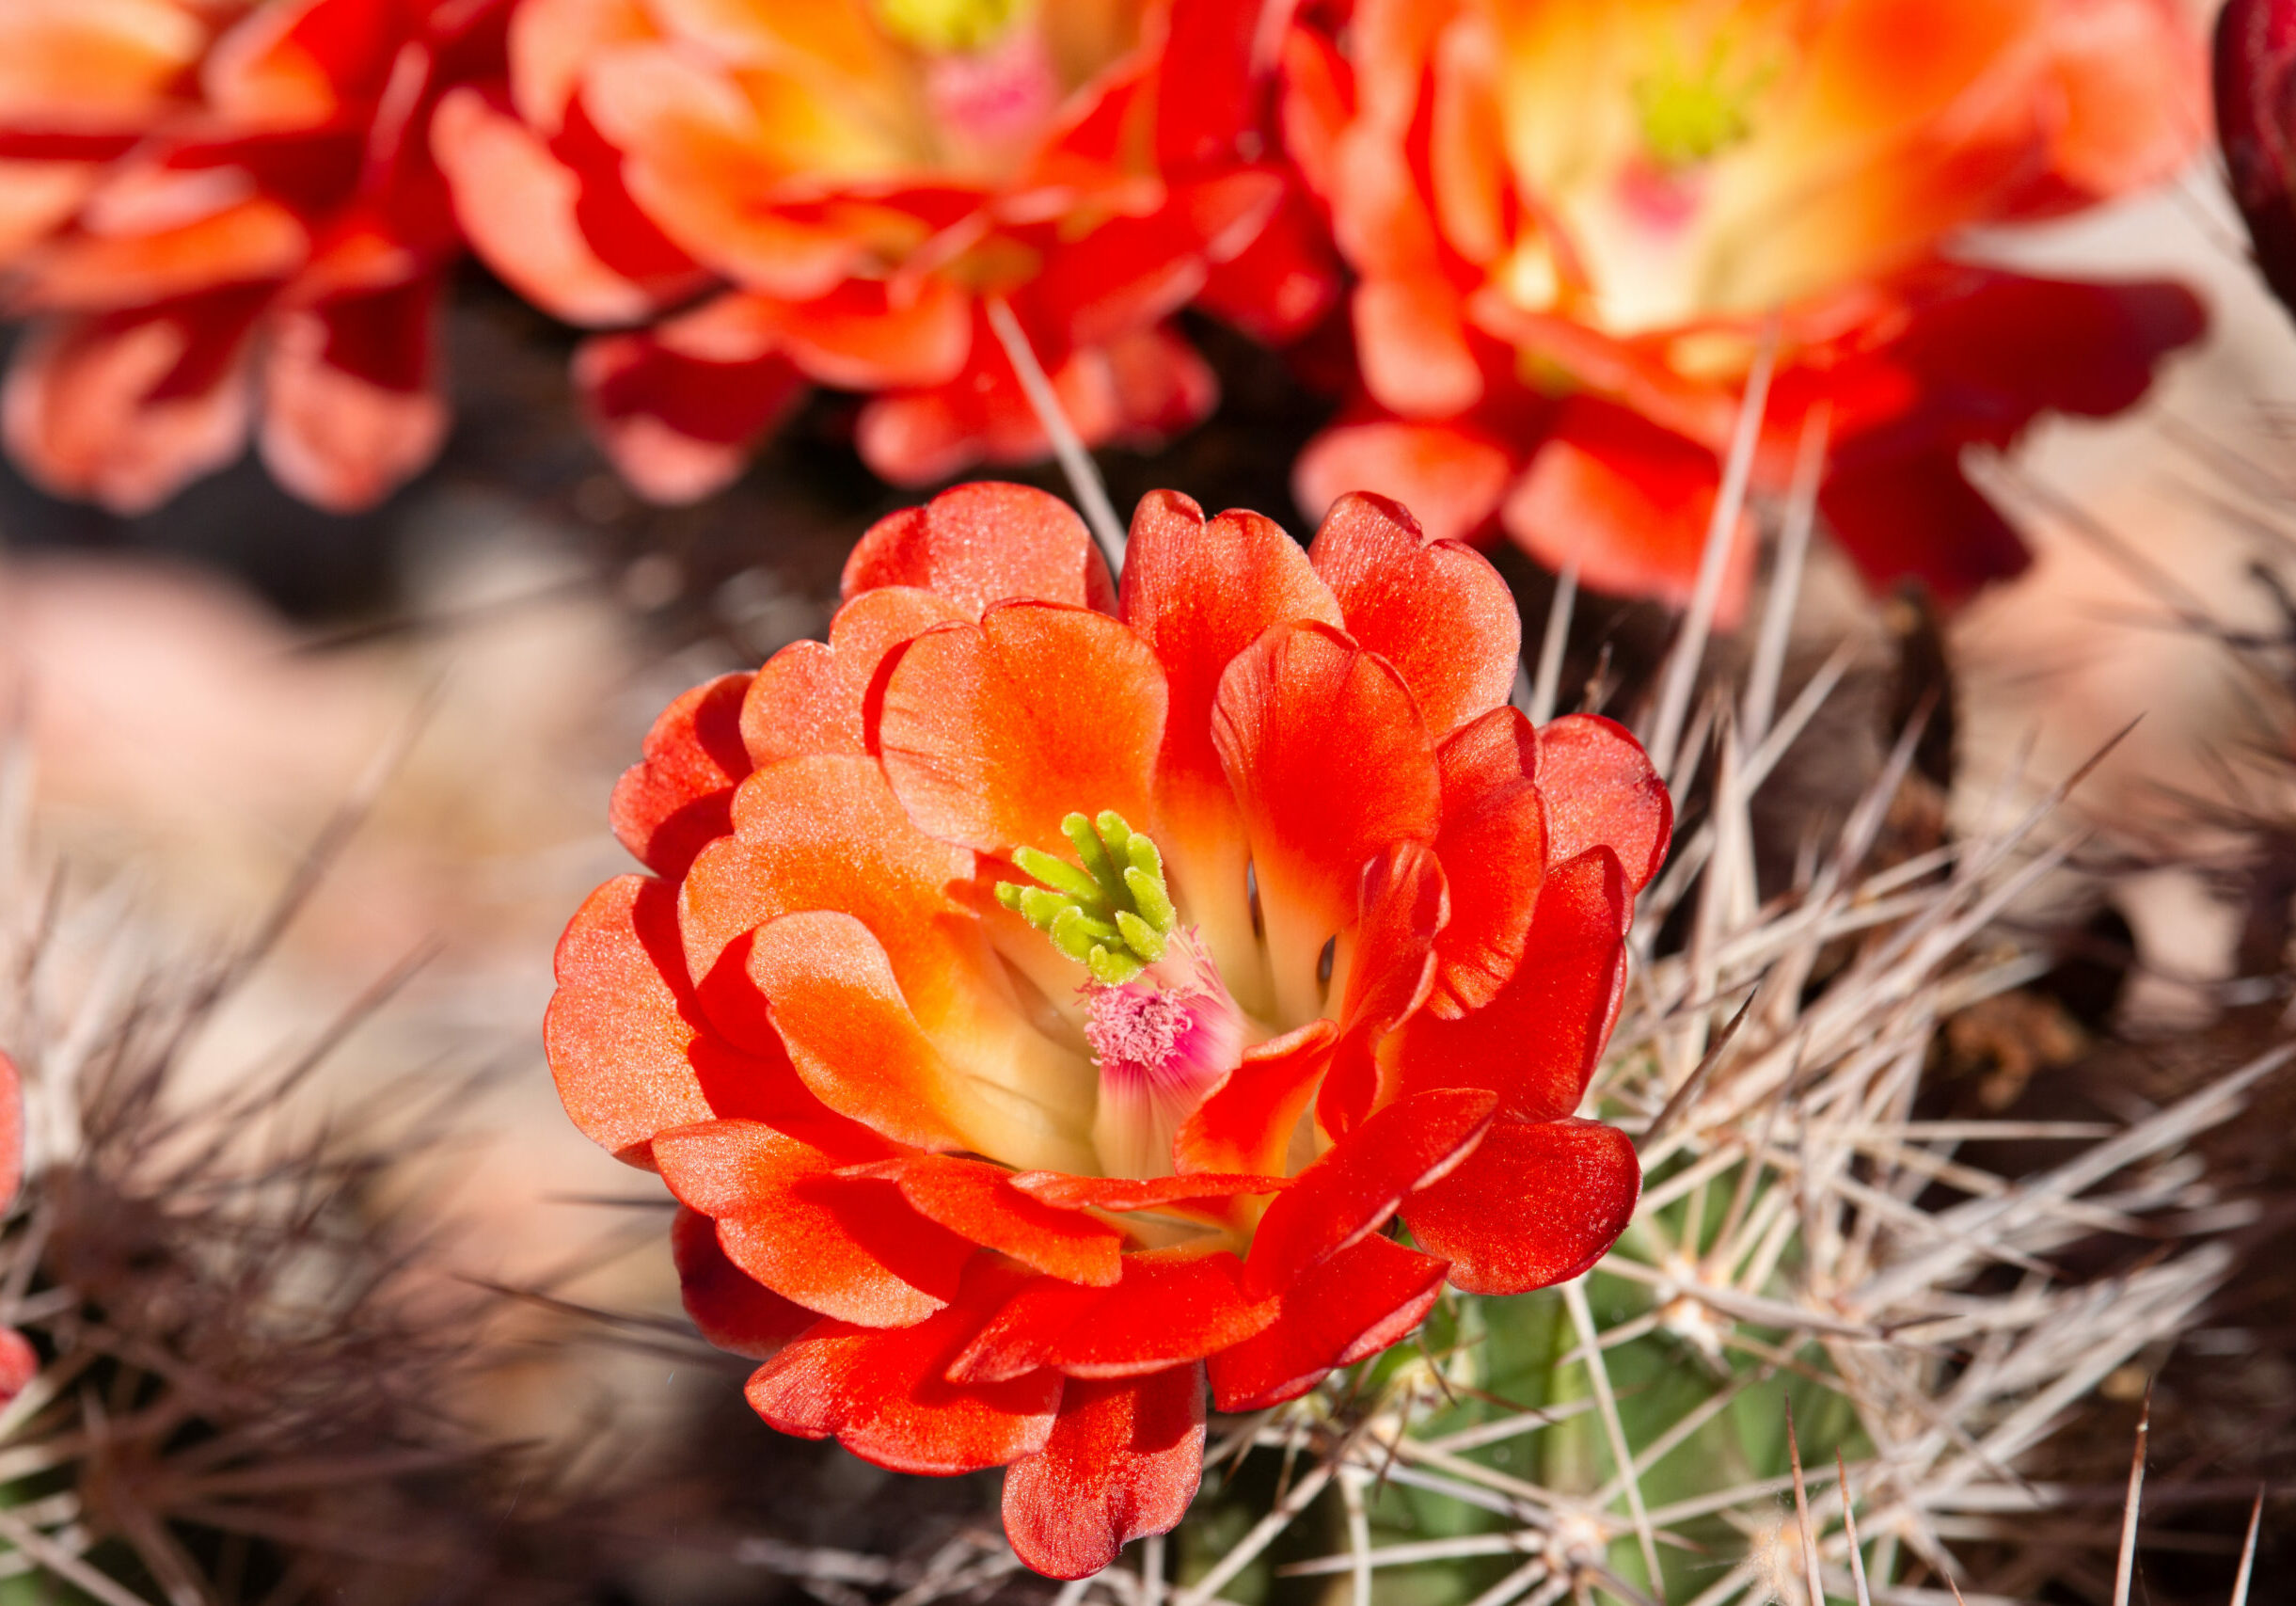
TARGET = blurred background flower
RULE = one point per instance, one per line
(223, 228)
(848, 188)
(1581, 230)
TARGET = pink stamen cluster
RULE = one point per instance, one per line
(1161, 1041)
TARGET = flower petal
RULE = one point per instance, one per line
(679, 428)
(1629, 503)
(849, 1032)
(1412, 338)
(824, 833)
(1434, 609)
(19, 1364)
(679, 796)
(1537, 1203)
(847, 1247)
(520, 207)
(1245, 1123)
(1353, 1305)
(2135, 95)
(884, 1397)
(1124, 1460)
(1173, 1306)
(982, 544)
(992, 734)
(861, 336)
(1017, 1340)
(1121, 1194)
(1600, 791)
(352, 404)
(127, 409)
(626, 1041)
(729, 1308)
(1918, 514)
(1329, 762)
(1279, 286)
(808, 696)
(1494, 850)
(979, 1202)
(1199, 592)
(11, 1130)
(1352, 1190)
(1451, 479)
(1387, 957)
(1536, 1043)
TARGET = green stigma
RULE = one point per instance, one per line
(942, 26)
(1113, 915)
(1690, 116)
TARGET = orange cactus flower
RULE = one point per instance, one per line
(223, 219)
(1574, 222)
(1044, 996)
(845, 184)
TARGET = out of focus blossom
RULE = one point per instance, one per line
(1574, 222)
(2256, 123)
(222, 220)
(1044, 996)
(760, 196)
(19, 1360)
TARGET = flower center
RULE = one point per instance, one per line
(1161, 1024)
(946, 26)
(1692, 114)
(1110, 916)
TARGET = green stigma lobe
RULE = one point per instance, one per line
(942, 25)
(1112, 910)
(1692, 114)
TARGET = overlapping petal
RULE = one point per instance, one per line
(1354, 1304)
(1329, 762)
(990, 734)
(1536, 1203)
(1172, 1305)
(1199, 592)
(727, 1306)
(1600, 791)
(883, 1393)
(977, 545)
(1353, 1190)
(850, 1247)
(809, 697)
(1493, 849)
(678, 797)
(1536, 1043)
(980, 1202)
(1123, 1460)
(1433, 610)
(626, 1035)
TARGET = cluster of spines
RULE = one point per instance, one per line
(1113, 915)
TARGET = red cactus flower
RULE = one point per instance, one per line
(19, 1360)
(1044, 997)
(223, 219)
(2256, 123)
(1572, 223)
(843, 183)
